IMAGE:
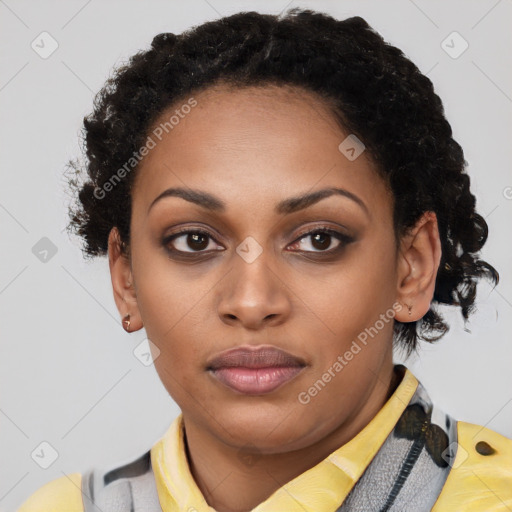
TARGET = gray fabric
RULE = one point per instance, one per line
(411, 469)
(128, 488)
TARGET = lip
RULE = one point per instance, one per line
(255, 370)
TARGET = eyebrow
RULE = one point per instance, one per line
(287, 206)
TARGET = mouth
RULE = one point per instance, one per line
(255, 370)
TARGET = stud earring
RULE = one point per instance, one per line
(126, 322)
(409, 307)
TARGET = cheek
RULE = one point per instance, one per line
(169, 296)
(170, 305)
(352, 294)
(180, 345)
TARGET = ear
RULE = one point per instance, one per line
(419, 257)
(122, 281)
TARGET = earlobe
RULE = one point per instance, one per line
(122, 283)
(419, 258)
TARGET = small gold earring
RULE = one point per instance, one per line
(126, 322)
(409, 307)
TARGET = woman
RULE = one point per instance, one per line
(281, 200)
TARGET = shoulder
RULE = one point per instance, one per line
(120, 487)
(128, 486)
(480, 478)
(60, 495)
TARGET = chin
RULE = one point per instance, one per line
(270, 429)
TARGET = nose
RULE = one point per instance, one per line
(253, 295)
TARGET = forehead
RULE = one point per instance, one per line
(269, 142)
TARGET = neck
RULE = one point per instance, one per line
(237, 480)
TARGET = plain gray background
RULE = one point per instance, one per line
(68, 373)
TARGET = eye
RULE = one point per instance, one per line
(322, 240)
(190, 241)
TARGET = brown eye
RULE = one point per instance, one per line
(322, 241)
(197, 241)
(190, 241)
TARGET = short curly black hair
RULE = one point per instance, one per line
(372, 89)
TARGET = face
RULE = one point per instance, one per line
(253, 267)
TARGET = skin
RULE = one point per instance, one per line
(252, 148)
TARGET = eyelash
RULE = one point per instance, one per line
(341, 237)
